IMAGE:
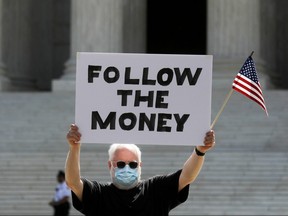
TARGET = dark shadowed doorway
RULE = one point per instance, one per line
(176, 27)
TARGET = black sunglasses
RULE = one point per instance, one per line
(122, 164)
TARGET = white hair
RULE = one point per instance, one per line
(131, 147)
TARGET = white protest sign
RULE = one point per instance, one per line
(143, 98)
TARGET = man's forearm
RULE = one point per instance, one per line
(72, 168)
(190, 170)
(192, 167)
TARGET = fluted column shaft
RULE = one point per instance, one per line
(104, 26)
(96, 26)
(233, 28)
(3, 79)
(233, 33)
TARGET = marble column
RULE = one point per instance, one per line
(4, 81)
(16, 43)
(103, 26)
(27, 43)
(274, 44)
(233, 33)
(281, 80)
(134, 26)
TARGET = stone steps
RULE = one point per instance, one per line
(246, 174)
(250, 182)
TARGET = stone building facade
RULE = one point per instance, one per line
(39, 39)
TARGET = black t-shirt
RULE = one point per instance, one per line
(153, 197)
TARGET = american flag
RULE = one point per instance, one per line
(246, 82)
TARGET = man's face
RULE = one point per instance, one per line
(123, 155)
(126, 156)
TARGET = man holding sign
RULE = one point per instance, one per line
(128, 194)
(140, 99)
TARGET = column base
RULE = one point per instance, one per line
(5, 84)
(225, 71)
(63, 85)
(68, 81)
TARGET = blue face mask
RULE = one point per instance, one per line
(125, 178)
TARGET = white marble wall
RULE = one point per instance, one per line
(17, 42)
(134, 26)
(4, 81)
(237, 27)
(2, 66)
(274, 43)
(103, 26)
(233, 32)
(96, 26)
(233, 28)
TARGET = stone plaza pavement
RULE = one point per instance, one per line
(245, 174)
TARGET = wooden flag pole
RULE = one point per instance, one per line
(221, 109)
(224, 104)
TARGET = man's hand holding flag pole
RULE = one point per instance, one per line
(246, 82)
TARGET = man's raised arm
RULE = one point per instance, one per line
(193, 165)
(72, 168)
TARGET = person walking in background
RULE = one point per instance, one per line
(60, 202)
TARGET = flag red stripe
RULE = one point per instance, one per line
(238, 88)
(249, 96)
(250, 89)
(249, 82)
